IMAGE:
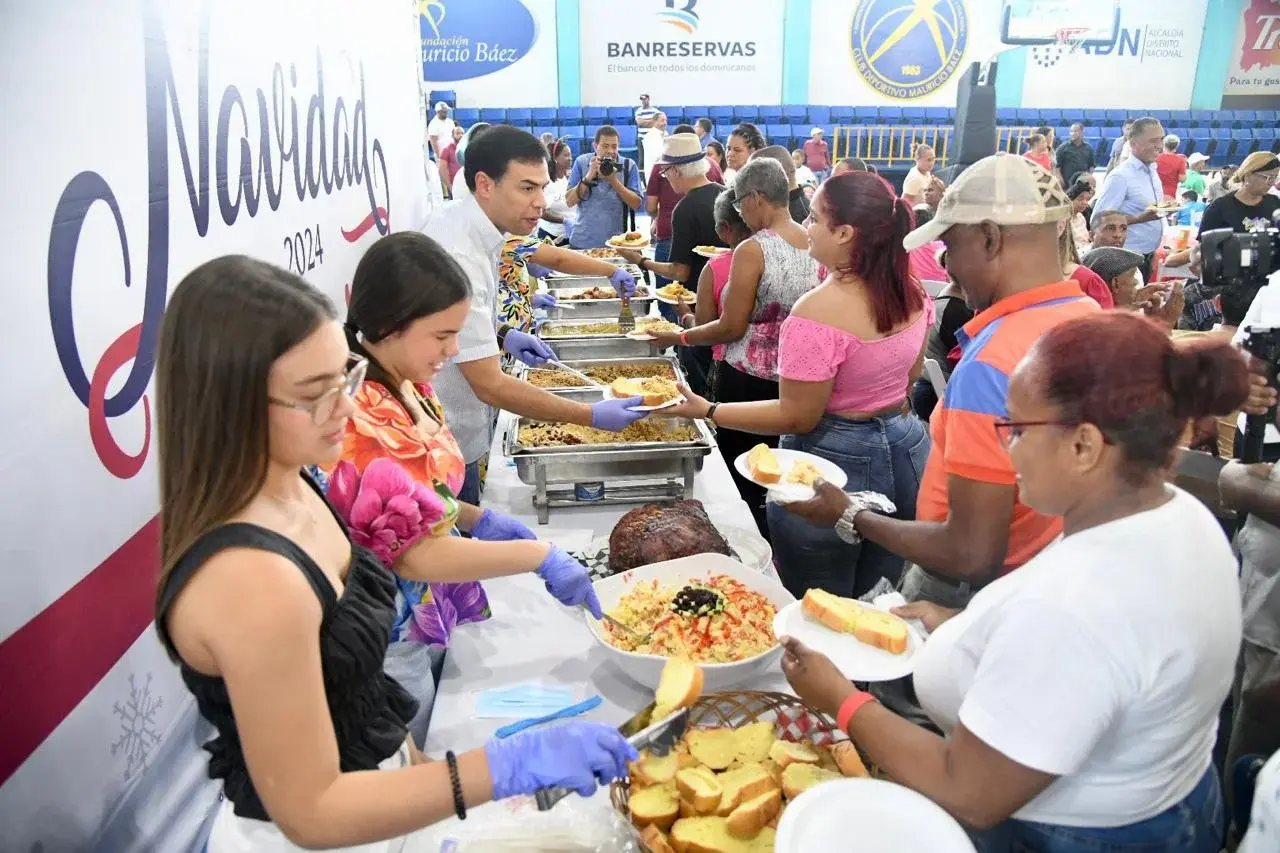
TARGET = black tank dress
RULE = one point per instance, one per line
(369, 709)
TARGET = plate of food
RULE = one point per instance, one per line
(675, 292)
(865, 643)
(630, 240)
(707, 607)
(789, 475)
(710, 252)
(658, 393)
(1169, 206)
(645, 325)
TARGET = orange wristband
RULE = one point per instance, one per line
(684, 338)
(850, 706)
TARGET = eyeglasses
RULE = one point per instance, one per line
(322, 409)
(1007, 431)
(1266, 177)
(739, 199)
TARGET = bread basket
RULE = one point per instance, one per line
(793, 719)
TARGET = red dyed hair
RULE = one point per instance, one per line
(1120, 372)
(880, 220)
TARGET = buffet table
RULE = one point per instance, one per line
(533, 638)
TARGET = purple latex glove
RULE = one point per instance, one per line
(528, 348)
(616, 415)
(623, 282)
(497, 527)
(576, 755)
(537, 270)
(542, 299)
(569, 581)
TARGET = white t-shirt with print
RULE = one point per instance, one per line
(1103, 660)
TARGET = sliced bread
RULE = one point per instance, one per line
(700, 787)
(784, 753)
(655, 840)
(753, 741)
(654, 806)
(763, 464)
(867, 625)
(848, 760)
(716, 748)
(799, 778)
(654, 770)
(748, 819)
(741, 784)
(679, 686)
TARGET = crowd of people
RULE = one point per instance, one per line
(1086, 615)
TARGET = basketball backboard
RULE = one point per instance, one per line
(1087, 22)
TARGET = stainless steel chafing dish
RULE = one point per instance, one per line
(522, 371)
(655, 471)
(572, 348)
(586, 309)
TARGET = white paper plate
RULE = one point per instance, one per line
(856, 660)
(658, 296)
(609, 395)
(784, 492)
(613, 243)
(889, 819)
(709, 255)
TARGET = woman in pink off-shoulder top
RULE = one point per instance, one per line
(848, 355)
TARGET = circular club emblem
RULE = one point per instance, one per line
(904, 49)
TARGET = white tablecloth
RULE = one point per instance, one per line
(532, 637)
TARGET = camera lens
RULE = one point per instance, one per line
(607, 167)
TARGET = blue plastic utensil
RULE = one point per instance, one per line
(563, 713)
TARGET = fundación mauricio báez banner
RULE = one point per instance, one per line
(681, 51)
(495, 53)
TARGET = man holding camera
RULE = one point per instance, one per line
(606, 190)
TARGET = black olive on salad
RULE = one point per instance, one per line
(697, 601)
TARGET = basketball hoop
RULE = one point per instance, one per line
(1071, 38)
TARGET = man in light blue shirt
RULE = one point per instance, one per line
(1133, 188)
(604, 187)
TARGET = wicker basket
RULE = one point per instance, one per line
(793, 720)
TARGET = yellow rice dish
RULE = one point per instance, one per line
(718, 620)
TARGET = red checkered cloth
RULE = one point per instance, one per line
(800, 726)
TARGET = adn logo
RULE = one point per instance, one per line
(680, 14)
(463, 40)
(905, 49)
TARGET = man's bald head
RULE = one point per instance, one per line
(782, 157)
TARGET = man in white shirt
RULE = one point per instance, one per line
(651, 142)
(440, 129)
(506, 172)
(645, 114)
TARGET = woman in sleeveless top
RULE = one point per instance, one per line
(769, 272)
(409, 298)
(279, 622)
(849, 354)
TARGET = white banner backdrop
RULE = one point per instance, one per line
(1255, 59)
(165, 134)
(886, 52)
(496, 53)
(681, 52)
(1151, 65)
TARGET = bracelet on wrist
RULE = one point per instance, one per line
(455, 780)
(684, 338)
(851, 705)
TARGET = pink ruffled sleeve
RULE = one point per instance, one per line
(809, 351)
(385, 509)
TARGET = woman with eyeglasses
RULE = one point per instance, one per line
(1251, 205)
(1079, 695)
(409, 299)
(279, 623)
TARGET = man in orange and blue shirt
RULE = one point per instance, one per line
(1000, 222)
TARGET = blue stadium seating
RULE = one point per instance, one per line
(466, 116)
(543, 115)
(519, 115)
(493, 115)
(721, 115)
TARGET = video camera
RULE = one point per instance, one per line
(1238, 266)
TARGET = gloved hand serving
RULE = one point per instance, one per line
(498, 527)
(542, 299)
(623, 282)
(569, 581)
(528, 348)
(616, 415)
(574, 755)
(537, 271)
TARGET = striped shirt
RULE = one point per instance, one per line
(965, 443)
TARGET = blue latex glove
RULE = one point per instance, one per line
(569, 582)
(623, 282)
(616, 415)
(528, 348)
(537, 270)
(542, 299)
(575, 755)
(497, 527)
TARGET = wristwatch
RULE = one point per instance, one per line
(641, 263)
(859, 501)
(844, 525)
(711, 413)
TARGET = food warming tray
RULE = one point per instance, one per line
(522, 371)
(577, 347)
(574, 309)
(667, 467)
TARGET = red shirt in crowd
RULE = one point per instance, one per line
(1043, 158)
(668, 198)
(449, 157)
(816, 154)
(1094, 287)
(1172, 167)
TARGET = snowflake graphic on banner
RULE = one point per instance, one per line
(138, 734)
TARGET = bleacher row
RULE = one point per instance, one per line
(1222, 135)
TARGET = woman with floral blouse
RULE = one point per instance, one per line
(409, 299)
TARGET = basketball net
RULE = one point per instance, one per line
(1071, 38)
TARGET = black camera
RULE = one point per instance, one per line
(608, 166)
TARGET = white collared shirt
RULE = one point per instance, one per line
(465, 232)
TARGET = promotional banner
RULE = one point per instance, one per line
(1255, 61)
(681, 52)
(1151, 64)
(499, 53)
(165, 134)
(897, 53)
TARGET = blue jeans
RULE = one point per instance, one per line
(885, 455)
(470, 491)
(1194, 825)
(662, 254)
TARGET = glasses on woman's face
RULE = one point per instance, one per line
(1007, 431)
(322, 408)
(1268, 178)
(737, 202)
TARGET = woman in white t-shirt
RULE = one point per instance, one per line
(920, 176)
(1079, 695)
(557, 211)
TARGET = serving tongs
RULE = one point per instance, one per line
(642, 733)
(559, 365)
